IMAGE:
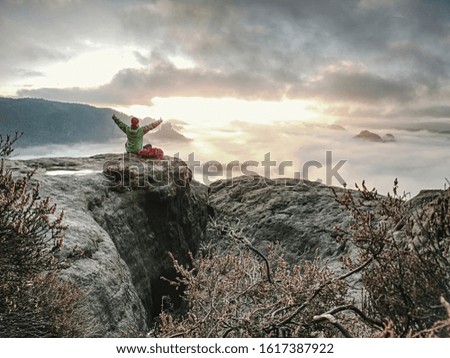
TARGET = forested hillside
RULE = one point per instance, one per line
(47, 122)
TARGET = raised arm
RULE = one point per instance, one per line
(151, 126)
(120, 124)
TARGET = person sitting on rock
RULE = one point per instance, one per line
(135, 134)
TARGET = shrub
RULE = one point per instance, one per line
(407, 247)
(399, 254)
(239, 292)
(34, 301)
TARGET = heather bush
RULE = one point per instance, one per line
(399, 256)
(407, 248)
(34, 301)
(237, 291)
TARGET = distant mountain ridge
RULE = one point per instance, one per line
(46, 122)
(167, 132)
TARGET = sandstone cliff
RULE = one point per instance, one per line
(301, 215)
(125, 214)
(118, 236)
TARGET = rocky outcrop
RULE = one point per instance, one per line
(336, 127)
(121, 228)
(373, 137)
(125, 214)
(368, 136)
(301, 215)
(388, 137)
(167, 132)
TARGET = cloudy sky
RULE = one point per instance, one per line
(377, 64)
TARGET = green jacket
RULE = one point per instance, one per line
(135, 137)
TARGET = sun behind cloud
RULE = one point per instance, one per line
(216, 112)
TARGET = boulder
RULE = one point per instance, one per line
(300, 214)
(388, 137)
(368, 136)
(374, 137)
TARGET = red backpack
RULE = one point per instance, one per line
(151, 152)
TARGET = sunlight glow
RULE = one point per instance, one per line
(87, 70)
(181, 62)
(221, 111)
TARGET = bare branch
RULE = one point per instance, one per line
(330, 318)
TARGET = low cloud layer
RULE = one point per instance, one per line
(298, 145)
